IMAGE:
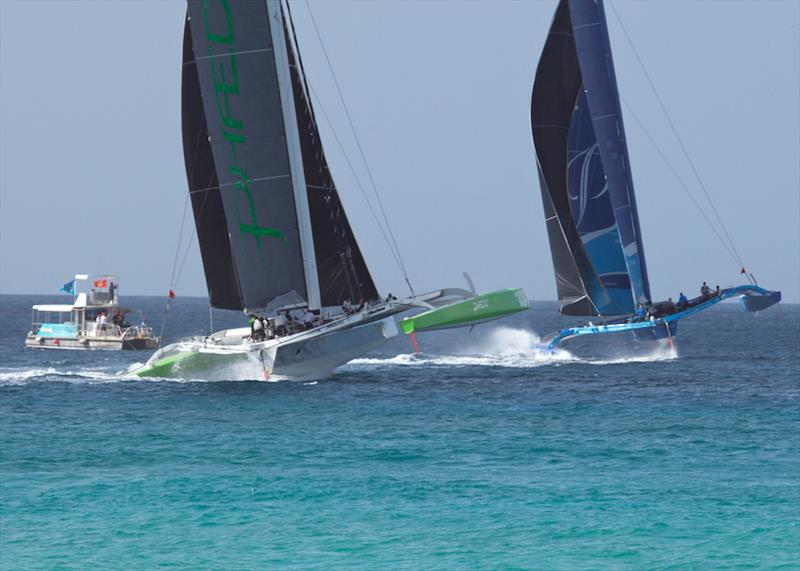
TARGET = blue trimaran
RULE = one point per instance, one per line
(587, 189)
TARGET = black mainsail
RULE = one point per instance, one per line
(342, 271)
(584, 171)
(271, 225)
(201, 173)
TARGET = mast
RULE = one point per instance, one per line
(275, 16)
(584, 171)
(596, 62)
(342, 270)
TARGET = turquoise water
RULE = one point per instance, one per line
(483, 453)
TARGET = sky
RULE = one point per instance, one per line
(91, 164)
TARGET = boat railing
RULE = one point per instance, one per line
(366, 315)
(137, 332)
(234, 337)
(110, 330)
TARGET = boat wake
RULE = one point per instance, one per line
(510, 348)
(659, 353)
(22, 376)
(9, 376)
(505, 347)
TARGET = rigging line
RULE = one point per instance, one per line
(301, 71)
(678, 178)
(308, 94)
(185, 255)
(198, 138)
(172, 276)
(174, 279)
(294, 47)
(191, 238)
(675, 132)
(358, 144)
(180, 239)
(189, 243)
(358, 181)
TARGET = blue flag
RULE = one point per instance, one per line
(68, 287)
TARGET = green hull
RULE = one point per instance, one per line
(186, 363)
(478, 309)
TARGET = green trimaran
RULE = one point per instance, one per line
(273, 233)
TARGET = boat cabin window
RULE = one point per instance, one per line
(41, 317)
(99, 297)
(52, 316)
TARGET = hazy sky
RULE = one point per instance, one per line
(91, 162)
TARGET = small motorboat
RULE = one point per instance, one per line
(94, 320)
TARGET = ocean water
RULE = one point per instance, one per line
(482, 453)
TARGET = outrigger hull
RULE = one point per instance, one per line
(759, 302)
(472, 311)
(663, 327)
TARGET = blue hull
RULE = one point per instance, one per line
(660, 331)
(759, 302)
(666, 326)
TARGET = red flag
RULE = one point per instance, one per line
(100, 283)
(171, 294)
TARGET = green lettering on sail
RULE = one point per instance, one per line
(243, 185)
(226, 84)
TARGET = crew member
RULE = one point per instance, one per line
(118, 319)
(682, 301)
(308, 319)
(269, 331)
(258, 330)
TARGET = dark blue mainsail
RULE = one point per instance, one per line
(584, 171)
